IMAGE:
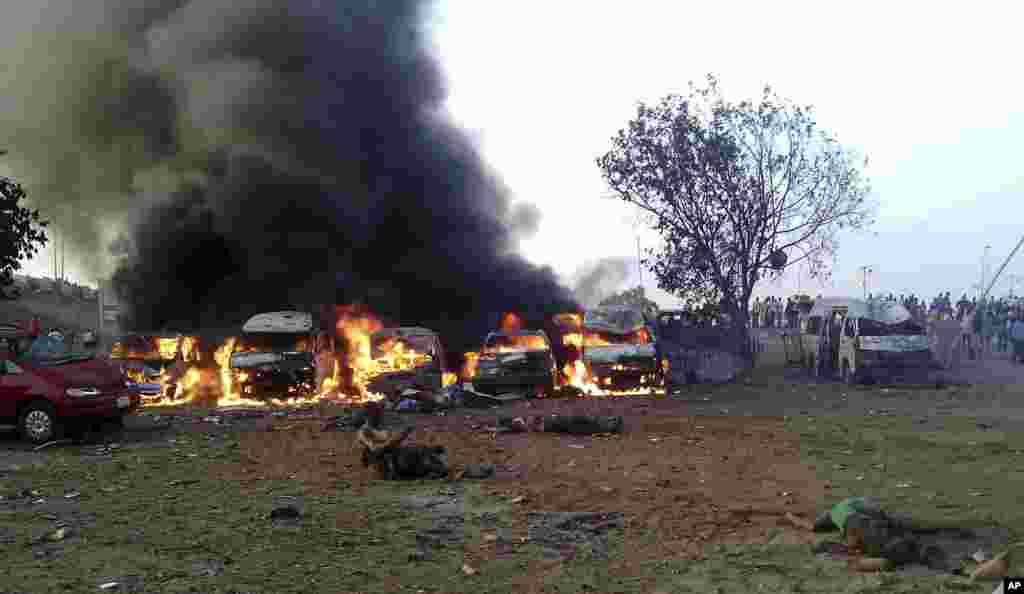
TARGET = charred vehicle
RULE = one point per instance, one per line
(619, 349)
(274, 357)
(519, 361)
(406, 358)
(146, 360)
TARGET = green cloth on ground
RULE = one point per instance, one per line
(842, 510)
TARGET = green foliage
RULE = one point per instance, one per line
(21, 230)
(634, 297)
(727, 184)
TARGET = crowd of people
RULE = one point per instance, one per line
(990, 325)
(32, 330)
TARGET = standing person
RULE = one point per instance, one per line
(757, 310)
(34, 327)
(1002, 330)
(1017, 337)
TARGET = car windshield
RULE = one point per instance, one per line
(48, 351)
(274, 342)
(515, 342)
(388, 343)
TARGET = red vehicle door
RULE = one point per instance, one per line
(14, 387)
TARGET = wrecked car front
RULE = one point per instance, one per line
(893, 347)
(515, 362)
(618, 349)
(273, 359)
(407, 358)
(274, 374)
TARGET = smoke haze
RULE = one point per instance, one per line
(262, 155)
(599, 279)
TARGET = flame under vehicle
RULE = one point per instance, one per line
(516, 361)
(619, 349)
(274, 357)
(146, 359)
(405, 358)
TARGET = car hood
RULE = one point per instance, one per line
(618, 352)
(94, 373)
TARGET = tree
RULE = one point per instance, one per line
(730, 187)
(634, 297)
(21, 231)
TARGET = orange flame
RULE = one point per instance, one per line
(356, 326)
(469, 366)
(510, 322)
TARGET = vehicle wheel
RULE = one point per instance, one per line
(845, 374)
(38, 423)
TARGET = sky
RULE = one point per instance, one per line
(930, 92)
(926, 90)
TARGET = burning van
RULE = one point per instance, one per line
(618, 349)
(274, 356)
(407, 358)
(515, 361)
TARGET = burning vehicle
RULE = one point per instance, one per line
(406, 358)
(618, 350)
(147, 360)
(274, 357)
(515, 361)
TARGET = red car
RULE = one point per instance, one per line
(50, 388)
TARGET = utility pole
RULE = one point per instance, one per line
(984, 263)
(639, 262)
(865, 271)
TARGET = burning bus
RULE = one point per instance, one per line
(515, 360)
(406, 358)
(617, 350)
(274, 357)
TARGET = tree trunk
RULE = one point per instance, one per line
(740, 330)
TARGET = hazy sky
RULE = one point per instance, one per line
(930, 91)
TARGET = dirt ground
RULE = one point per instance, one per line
(681, 482)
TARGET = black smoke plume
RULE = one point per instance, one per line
(288, 153)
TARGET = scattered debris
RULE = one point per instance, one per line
(207, 568)
(72, 495)
(286, 510)
(561, 533)
(469, 570)
(478, 471)
(182, 482)
(512, 425)
(582, 424)
(52, 443)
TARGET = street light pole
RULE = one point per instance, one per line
(984, 263)
(865, 271)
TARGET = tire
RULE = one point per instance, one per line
(38, 423)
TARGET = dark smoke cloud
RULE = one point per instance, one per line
(597, 280)
(269, 154)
